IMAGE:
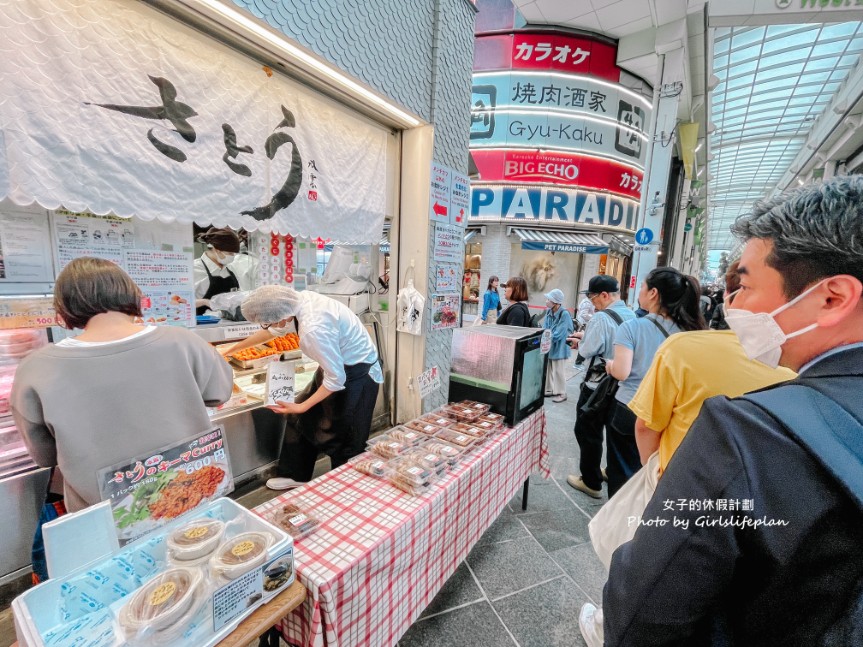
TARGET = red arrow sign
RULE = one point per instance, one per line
(439, 209)
(460, 215)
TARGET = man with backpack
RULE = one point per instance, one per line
(754, 535)
(595, 344)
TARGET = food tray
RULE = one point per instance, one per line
(263, 361)
(39, 611)
(369, 464)
(294, 519)
(423, 427)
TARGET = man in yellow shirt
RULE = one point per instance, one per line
(687, 369)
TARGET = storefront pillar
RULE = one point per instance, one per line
(653, 199)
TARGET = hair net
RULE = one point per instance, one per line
(555, 296)
(271, 303)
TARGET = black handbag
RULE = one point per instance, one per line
(602, 397)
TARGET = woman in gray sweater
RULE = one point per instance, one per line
(116, 391)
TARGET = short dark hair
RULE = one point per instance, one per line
(816, 231)
(519, 289)
(224, 240)
(90, 286)
(732, 278)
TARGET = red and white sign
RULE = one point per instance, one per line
(547, 51)
(632, 281)
(496, 165)
(439, 199)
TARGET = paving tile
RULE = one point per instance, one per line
(587, 503)
(475, 625)
(545, 615)
(505, 527)
(583, 566)
(558, 529)
(511, 566)
(459, 589)
(543, 495)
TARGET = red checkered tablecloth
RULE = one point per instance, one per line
(380, 556)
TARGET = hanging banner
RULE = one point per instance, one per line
(121, 109)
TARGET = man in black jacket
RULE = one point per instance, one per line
(755, 533)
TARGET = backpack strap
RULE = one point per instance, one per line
(611, 313)
(658, 325)
(827, 430)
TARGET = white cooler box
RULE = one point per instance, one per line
(126, 598)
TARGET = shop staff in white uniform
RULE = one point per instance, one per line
(333, 414)
(212, 274)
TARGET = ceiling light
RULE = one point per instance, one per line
(713, 81)
(700, 144)
(711, 127)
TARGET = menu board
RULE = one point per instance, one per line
(148, 491)
(448, 243)
(158, 256)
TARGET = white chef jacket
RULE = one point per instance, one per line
(244, 267)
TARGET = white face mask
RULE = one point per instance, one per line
(758, 332)
(227, 259)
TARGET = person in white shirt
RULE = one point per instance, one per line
(334, 414)
(212, 274)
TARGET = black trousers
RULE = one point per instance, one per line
(588, 433)
(338, 426)
(623, 458)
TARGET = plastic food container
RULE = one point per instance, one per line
(461, 413)
(408, 475)
(196, 539)
(241, 554)
(295, 520)
(406, 435)
(460, 440)
(163, 600)
(429, 460)
(436, 419)
(450, 453)
(476, 406)
(423, 427)
(369, 464)
(387, 447)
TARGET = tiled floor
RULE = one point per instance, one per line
(525, 580)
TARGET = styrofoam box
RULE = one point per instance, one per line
(46, 607)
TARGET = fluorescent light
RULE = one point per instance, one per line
(698, 148)
(280, 42)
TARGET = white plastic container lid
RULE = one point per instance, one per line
(162, 600)
(196, 539)
(241, 554)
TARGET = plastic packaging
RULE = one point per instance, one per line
(369, 464)
(240, 554)
(295, 520)
(195, 540)
(460, 413)
(453, 437)
(450, 453)
(486, 425)
(387, 447)
(429, 460)
(423, 427)
(408, 475)
(476, 406)
(162, 601)
(436, 419)
(406, 435)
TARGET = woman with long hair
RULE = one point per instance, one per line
(672, 301)
(491, 301)
(516, 313)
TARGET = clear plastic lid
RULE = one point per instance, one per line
(296, 520)
(476, 406)
(429, 460)
(449, 452)
(424, 427)
(241, 554)
(386, 446)
(492, 417)
(469, 429)
(406, 435)
(162, 600)
(436, 419)
(461, 440)
(196, 539)
(369, 464)
(461, 413)
(410, 470)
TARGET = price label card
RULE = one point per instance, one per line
(429, 381)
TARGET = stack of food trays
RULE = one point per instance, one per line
(295, 519)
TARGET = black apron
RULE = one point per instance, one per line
(218, 285)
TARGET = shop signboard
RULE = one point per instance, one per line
(148, 491)
(439, 197)
(448, 243)
(551, 167)
(173, 125)
(541, 246)
(552, 205)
